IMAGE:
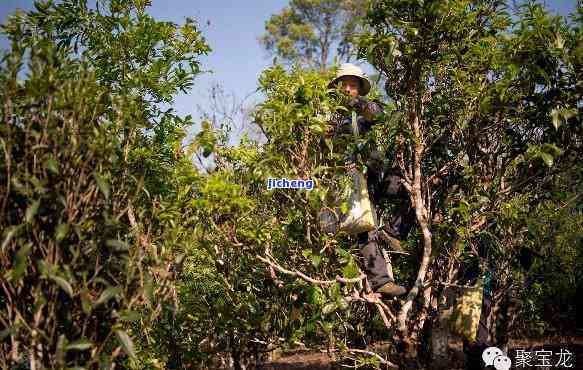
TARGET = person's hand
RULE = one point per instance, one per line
(371, 111)
(358, 103)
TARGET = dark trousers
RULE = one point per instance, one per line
(384, 186)
(374, 264)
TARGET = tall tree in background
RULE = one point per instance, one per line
(307, 31)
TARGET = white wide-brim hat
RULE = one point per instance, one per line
(349, 69)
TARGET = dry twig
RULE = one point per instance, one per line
(383, 360)
(309, 279)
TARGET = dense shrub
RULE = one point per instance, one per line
(86, 157)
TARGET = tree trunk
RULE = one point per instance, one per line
(414, 187)
(236, 359)
(444, 306)
(440, 331)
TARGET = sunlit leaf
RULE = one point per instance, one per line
(53, 166)
(80, 345)
(328, 308)
(20, 262)
(32, 210)
(126, 343)
(61, 232)
(102, 184)
(108, 294)
(63, 284)
(117, 245)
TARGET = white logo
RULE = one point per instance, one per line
(493, 356)
(502, 363)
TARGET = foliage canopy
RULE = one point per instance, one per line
(115, 249)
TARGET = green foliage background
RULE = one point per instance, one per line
(116, 249)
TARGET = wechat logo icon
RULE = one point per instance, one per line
(493, 356)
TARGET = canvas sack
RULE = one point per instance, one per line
(360, 216)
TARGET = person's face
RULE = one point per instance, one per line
(350, 85)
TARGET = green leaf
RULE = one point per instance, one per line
(86, 302)
(314, 295)
(117, 245)
(344, 207)
(342, 304)
(207, 150)
(107, 294)
(149, 288)
(10, 233)
(31, 211)
(568, 113)
(7, 332)
(328, 308)
(64, 284)
(483, 199)
(329, 144)
(53, 166)
(555, 115)
(350, 270)
(102, 184)
(316, 259)
(129, 316)
(43, 268)
(126, 343)
(61, 232)
(547, 158)
(80, 345)
(336, 291)
(19, 263)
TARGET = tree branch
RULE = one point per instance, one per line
(309, 279)
(371, 353)
(422, 215)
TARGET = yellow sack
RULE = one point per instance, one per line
(465, 318)
(360, 216)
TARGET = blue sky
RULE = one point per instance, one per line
(236, 59)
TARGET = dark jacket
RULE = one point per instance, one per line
(368, 113)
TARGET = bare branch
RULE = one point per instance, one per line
(374, 298)
(309, 279)
(383, 360)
